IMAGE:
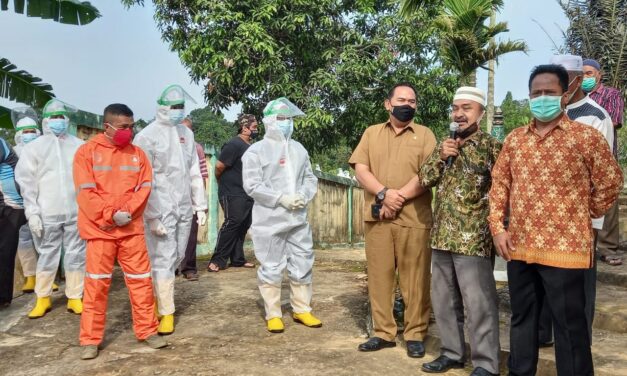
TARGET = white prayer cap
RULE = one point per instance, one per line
(572, 63)
(470, 93)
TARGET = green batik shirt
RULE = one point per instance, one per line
(461, 205)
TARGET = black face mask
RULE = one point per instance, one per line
(254, 134)
(403, 113)
(468, 131)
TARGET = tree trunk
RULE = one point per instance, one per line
(491, 66)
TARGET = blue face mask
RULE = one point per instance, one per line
(285, 126)
(176, 116)
(28, 137)
(546, 107)
(57, 126)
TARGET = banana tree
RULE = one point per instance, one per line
(19, 85)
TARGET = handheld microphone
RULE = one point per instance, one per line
(453, 127)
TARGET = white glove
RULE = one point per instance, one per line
(122, 218)
(35, 225)
(292, 202)
(156, 227)
(201, 218)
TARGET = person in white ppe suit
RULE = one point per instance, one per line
(177, 193)
(44, 174)
(27, 130)
(277, 174)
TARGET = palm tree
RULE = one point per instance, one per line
(465, 38)
(598, 30)
(20, 86)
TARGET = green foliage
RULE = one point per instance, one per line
(334, 59)
(464, 36)
(516, 113)
(21, 86)
(210, 128)
(71, 12)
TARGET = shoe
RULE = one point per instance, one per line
(42, 307)
(275, 325)
(375, 344)
(89, 352)
(75, 306)
(166, 325)
(307, 319)
(191, 276)
(482, 372)
(156, 342)
(415, 349)
(55, 287)
(29, 285)
(442, 364)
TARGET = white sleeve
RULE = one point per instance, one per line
(252, 179)
(26, 178)
(199, 199)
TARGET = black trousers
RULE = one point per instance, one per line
(10, 222)
(237, 220)
(564, 289)
(188, 265)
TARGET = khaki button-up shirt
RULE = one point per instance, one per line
(394, 159)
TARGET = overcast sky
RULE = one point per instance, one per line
(120, 57)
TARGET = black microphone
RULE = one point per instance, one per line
(453, 127)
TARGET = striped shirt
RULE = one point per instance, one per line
(610, 99)
(9, 191)
(202, 161)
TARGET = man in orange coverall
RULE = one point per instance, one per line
(113, 182)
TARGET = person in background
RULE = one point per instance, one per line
(612, 101)
(188, 265)
(236, 204)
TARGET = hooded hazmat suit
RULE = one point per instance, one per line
(177, 192)
(44, 173)
(277, 174)
(25, 248)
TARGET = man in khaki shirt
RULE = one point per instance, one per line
(386, 163)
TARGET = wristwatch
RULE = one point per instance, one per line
(381, 195)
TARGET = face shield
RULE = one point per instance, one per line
(56, 116)
(280, 113)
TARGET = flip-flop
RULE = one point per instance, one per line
(612, 260)
(249, 265)
(217, 268)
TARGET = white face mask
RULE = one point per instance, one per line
(176, 116)
(285, 126)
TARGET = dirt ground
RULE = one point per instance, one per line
(219, 331)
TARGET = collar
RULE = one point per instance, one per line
(411, 126)
(580, 102)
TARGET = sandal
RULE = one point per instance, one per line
(213, 268)
(249, 265)
(612, 260)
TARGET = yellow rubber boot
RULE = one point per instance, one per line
(166, 325)
(75, 306)
(275, 325)
(307, 319)
(42, 307)
(55, 287)
(29, 284)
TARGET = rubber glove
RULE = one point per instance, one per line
(122, 218)
(201, 218)
(156, 227)
(35, 225)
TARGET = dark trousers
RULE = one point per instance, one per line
(10, 222)
(237, 220)
(564, 289)
(188, 265)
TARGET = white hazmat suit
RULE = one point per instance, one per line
(44, 173)
(277, 174)
(25, 248)
(177, 192)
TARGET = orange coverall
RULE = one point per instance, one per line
(107, 179)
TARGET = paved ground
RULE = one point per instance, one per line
(220, 331)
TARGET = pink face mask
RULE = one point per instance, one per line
(122, 137)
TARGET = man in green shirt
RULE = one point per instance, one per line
(461, 241)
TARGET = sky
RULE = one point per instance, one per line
(120, 57)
